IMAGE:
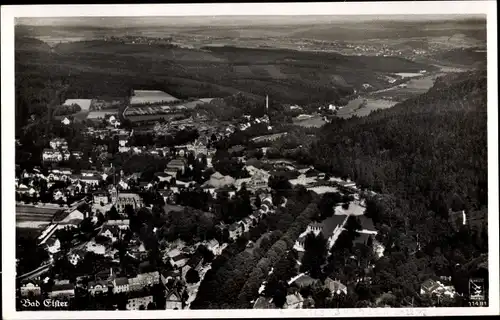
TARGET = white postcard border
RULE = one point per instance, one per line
(365, 8)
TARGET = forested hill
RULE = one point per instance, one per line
(424, 156)
(429, 147)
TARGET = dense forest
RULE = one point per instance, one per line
(288, 76)
(424, 157)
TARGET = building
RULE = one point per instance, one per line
(53, 245)
(30, 288)
(100, 197)
(217, 180)
(294, 301)
(179, 260)
(263, 303)
(58, 143)
(174, 166)
(111, 232)
(236, 230)
(302, 280)
(173, 300)
(328, 227)
(51, 155)
(91, 180)
(139, 303)
(98, 287)
(96, 248)
(120, 285)
(436, 289)
(143, 279)
(125, 199)
(62, 289)
(198, 148)
(335, 287)
(123, 224)
(76, 256)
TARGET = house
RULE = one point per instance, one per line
(179, 260)
(120, 285)
(302, 280)
(91, 180)
(51, 155)
(263, 303)
(125, 199)
(170, 274)
(30, 288)
(142, 280)
(174, 166)
(58, 143)
(100, 197)
(198, 148)
(111, 232)
(335, 287)
(236, 230)
(162, 176)
(98, 287)
(58, 195)
(53, 245)
(217, 180)
(137, 303)
(96, 248)
(436, 288)
(294, 301)
(167, 195)
(212, 245)
(123, 224)
(74, 217)
(302, 179)
(62, 289)
(194, 262)
(328, 227)
(173, 300)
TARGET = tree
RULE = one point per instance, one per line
(314, 255)
(279, 298)
(192, 276)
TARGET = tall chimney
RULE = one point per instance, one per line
(267, 103)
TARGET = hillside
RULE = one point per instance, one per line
(286, 75)
(434, 144)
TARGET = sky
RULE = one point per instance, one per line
(116, 22)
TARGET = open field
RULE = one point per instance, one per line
(150, 96)
(358, 108)
(101, 113)
(313, 122)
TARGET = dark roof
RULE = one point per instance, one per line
(330, 223)
(305, 280)
(285, 173)
(121, 281)
(194, 260)
(362, 238)
(180, 256)
(366, 223)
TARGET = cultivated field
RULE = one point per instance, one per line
(150, 96)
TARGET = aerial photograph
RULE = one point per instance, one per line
(251, 162)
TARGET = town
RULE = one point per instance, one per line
(222, 163)
(143, 236)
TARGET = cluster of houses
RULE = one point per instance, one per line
(138, 297)
(58, 151)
